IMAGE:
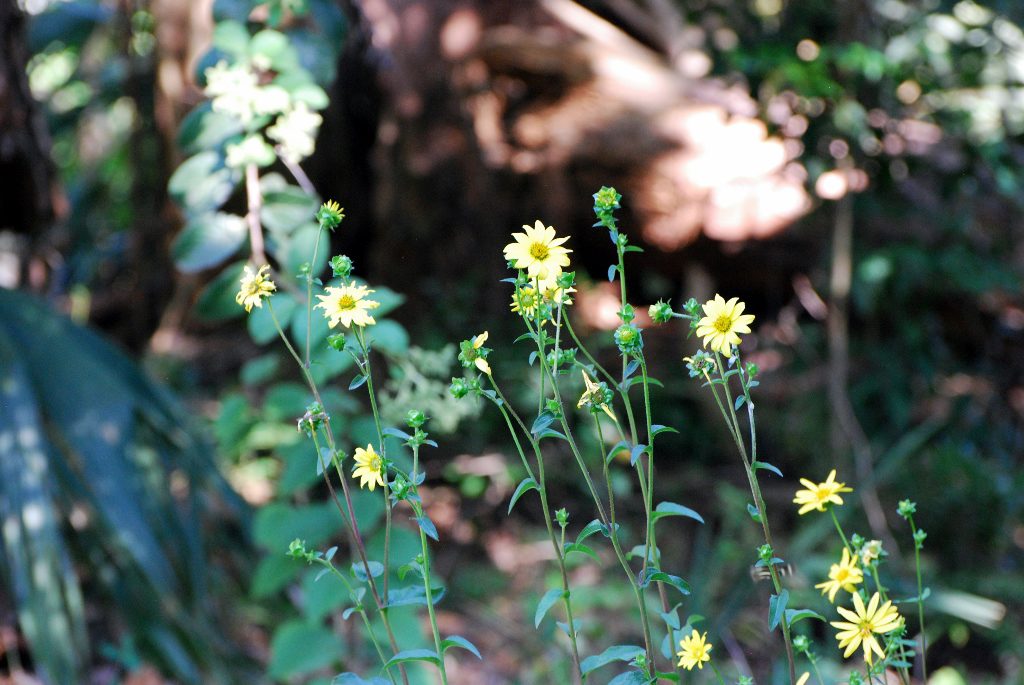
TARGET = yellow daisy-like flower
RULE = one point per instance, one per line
(864, 624)
(538, 251)
(722, 322)
(255, 286)
(369, 468)
(844, 575)
(480, 362)
(695, 651)
(347, 305)
(817, 495)
(595, 395)
(525, 301)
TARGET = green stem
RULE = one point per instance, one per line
(425, 550)
(718, 673)
(309, 294)
(920, 599)
(507, 410)
(360, 610)
(603, 517)
(755, 488)
(348, 511)
(835, 520)
(611, 381)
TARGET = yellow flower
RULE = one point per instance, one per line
(538, 251)
(817, 495)
(802, 680)
(369, 468)
(525, 300)
(255, 286)
(695, 651)
(721, 323)
(595, 395)
(843, 575)
(347, 305)
(480, 362)
(864, 624)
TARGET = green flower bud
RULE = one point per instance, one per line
(336, 341)
(341, 265)
(415, 418)
(330, 215)
(628, 339)
(906, 508)
(458, 388)
(660, 312)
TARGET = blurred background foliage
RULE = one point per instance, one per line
(853, 171)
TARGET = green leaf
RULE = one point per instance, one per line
(203, 128)
(524, 486)
(611, 272)
(752, 510)
(581, 548)
(672, 509)
(413, 594)
(634, 678)
(207, 240)
(738, 402)
(231, 37)
(285, 209)
(459, 641)
(427, 526)
(777, 608)
(357, 382)
(546, 602)
(767, 467)
(795, 615)
(616, 448)
(613, 653)
(261, 324)
(353, 679)
(541, 423)
(203, 183)
(589, 529)
(388, 336)
(363, 573)
(658, 429)
(635, 453)
(654, 575)
(299, 647)
(277, 524)
(217, 301)
(274, 47)
(427, 655)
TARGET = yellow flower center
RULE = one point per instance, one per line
(842, 575)
(346, 302)
(723, 324)
(539, 251)
(374, 464)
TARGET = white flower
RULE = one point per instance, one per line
(296, 130)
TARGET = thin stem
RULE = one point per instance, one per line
(348, 511)
(507, 410)
(615, 384)
(425, 550)
(252, 216)
(309, 295)
(920, 599)
(835, 520)
(755, 488)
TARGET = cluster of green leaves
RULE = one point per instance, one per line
(104, 484)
